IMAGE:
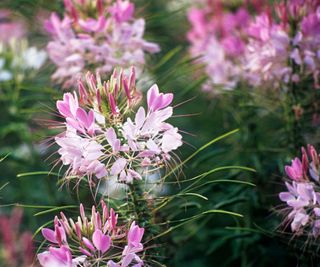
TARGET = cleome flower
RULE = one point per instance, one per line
(306, 53)
(93, 240)
(97, 34)
(303, 195)
(267, 53)
(217, 38)
(257, 48)
(278, 52)
(103, 137)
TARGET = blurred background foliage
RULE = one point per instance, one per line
(264, 142)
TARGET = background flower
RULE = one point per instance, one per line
(96, 36)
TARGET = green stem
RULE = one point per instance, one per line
(293, 99)
(144, 216)
(140, 205)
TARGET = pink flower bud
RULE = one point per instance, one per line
(132, 78)
(82, 93)
(98, 96)
(113, 219)
(100, 7)
(295, 171)
(88, 244)
(78, 230)
(82, 212)
(85, 252)
(112, 104)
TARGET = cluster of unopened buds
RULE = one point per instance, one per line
(96, 33)
(303, 195)
(102, 139)
(94, 241)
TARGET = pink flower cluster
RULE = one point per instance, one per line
(102, 140)
(263, 51)
(96, 34)
(94, 240)
(306, 53)
(217, 37)
(277, 53)
(16, 248)
(267, 53)
(303, 196)
(10, 28)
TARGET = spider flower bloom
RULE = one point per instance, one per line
(267, 53)
(94, 239)
(103, 137)
(217, 37)
(10, 28)
(96, 34)
(279, 53)
(306, 53)
(302, 196)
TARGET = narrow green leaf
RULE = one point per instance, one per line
(37, 173)
(2, 159)
(224, 212)
(168, 56)
(199, 150)
(54, 209)
(4, 185)
(194, 194)
(187, 220)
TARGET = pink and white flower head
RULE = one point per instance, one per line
(90, 240)
(103, 137)
(218, 38)
(303, 196)
(267, 54)
(96, 34)
(306, 53)
(279, 53)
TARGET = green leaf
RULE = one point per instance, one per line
(199, 150)
(54, 209)
(26, 174)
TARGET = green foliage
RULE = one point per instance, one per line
(219, 208)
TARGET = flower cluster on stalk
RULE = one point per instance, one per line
(97, 240)
(303, 195)
(285, 51)
(96, 34)
(103, 136)
(217, 37)
(260, 49)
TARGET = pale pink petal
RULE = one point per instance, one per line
(102, 242)
(49, 235)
